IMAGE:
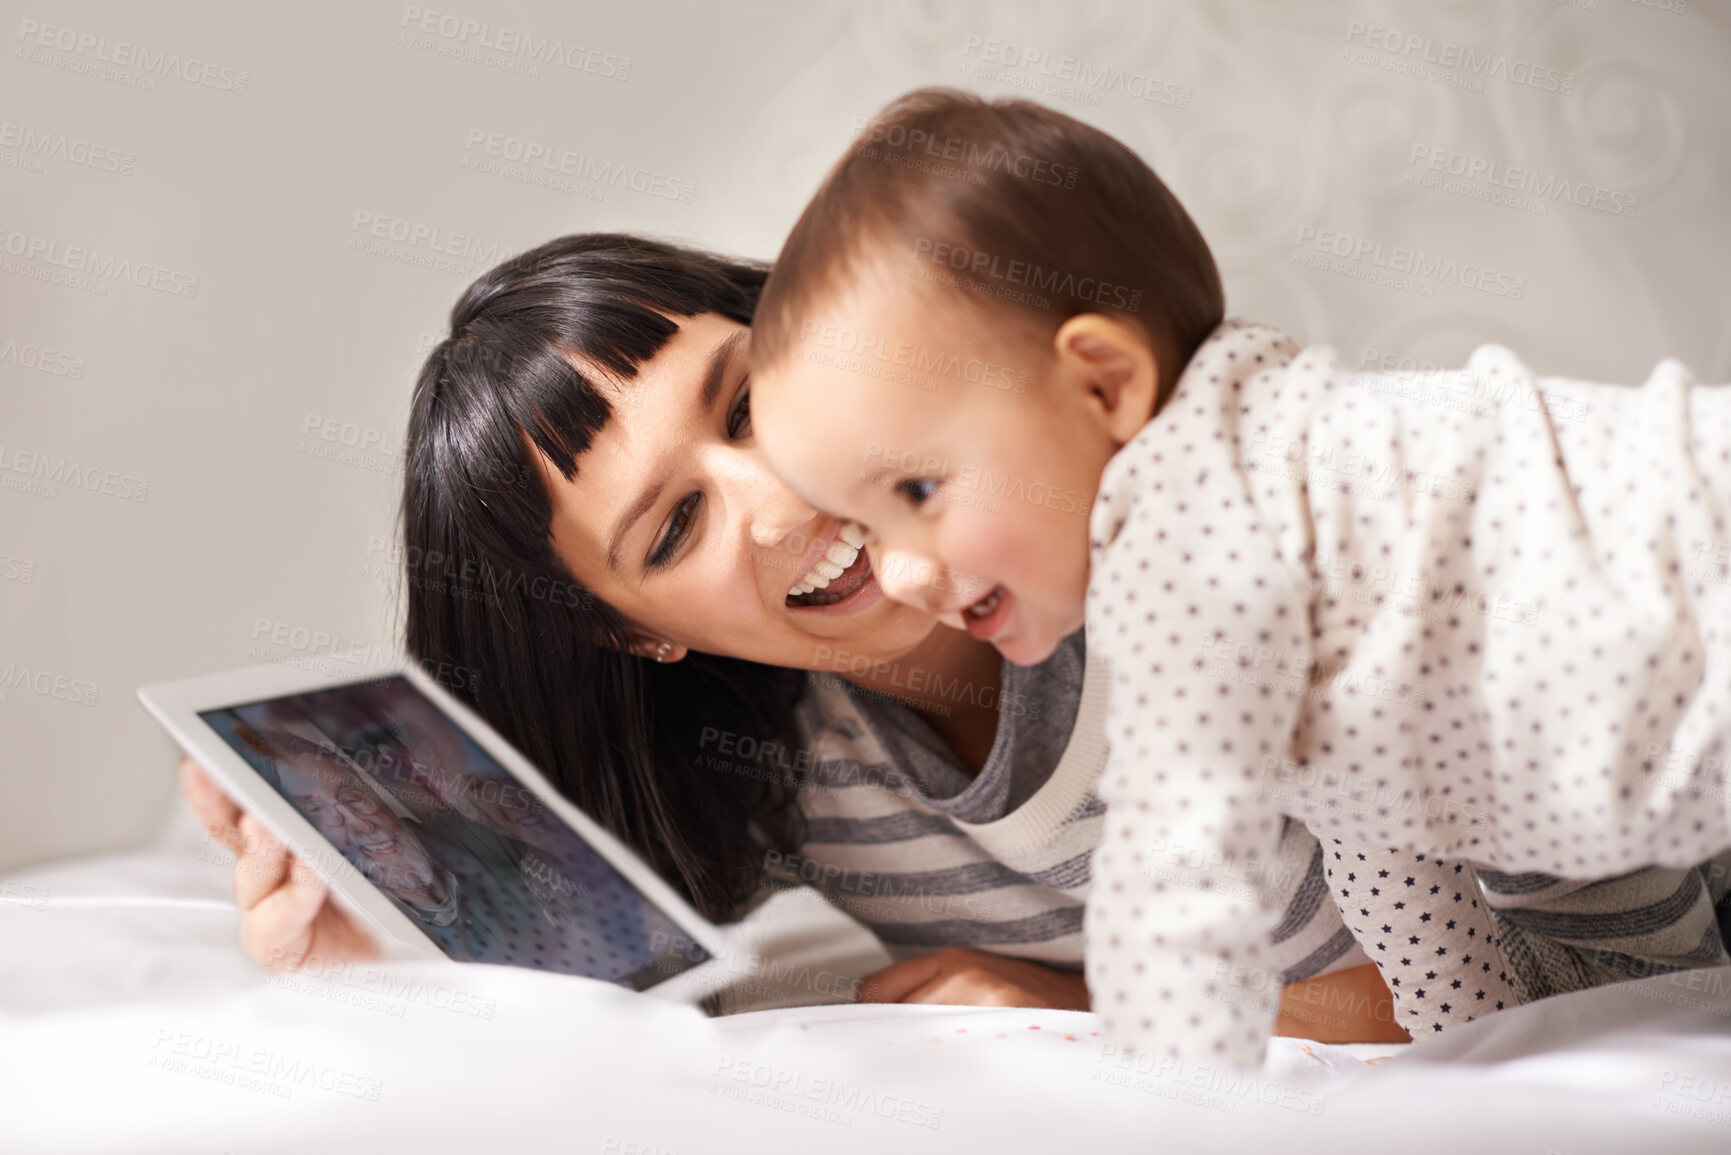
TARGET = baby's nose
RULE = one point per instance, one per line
(908, 577)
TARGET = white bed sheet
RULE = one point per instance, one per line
(132, 1022)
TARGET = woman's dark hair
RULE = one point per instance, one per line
(496, 616)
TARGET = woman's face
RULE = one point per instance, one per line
(674, 519)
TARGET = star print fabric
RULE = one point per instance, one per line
(1421, 921)
(1479, 616)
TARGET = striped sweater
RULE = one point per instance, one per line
(926, 858)
(923, 870)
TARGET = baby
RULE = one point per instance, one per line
(1476, 614)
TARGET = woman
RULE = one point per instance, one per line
(588, 523)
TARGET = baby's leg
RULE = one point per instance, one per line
(1421, 921)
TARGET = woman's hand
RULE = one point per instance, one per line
(1346, 1006)
(285, 912)
(963, 977)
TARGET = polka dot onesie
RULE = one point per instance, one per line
(1467, 617)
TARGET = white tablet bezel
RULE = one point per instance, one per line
(177, 705)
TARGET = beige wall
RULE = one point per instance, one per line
(250, 139)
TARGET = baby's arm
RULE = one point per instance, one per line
(1177, 925)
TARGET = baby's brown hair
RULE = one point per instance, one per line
(1022, 206)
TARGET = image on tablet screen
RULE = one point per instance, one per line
(473, 857)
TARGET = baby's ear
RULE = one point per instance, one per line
(1113, 365)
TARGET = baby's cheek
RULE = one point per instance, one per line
(1061, 549)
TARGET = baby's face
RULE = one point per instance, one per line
(973, 475)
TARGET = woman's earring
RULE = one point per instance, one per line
(663, 650)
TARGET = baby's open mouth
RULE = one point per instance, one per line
(985, 619)
(985, 606)
(842, 570)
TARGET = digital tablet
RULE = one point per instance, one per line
(430, 828)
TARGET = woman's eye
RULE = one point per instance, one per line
(677, 527)
(739, 417)
(917, 490)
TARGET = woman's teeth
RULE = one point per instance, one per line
(842, 552)
(986, 604)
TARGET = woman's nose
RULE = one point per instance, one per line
(771, 511)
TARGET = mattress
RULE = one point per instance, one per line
(132, 1022)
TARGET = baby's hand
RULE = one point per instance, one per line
(285, 913)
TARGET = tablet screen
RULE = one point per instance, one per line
(462, 848)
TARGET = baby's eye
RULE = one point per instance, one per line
(918, 490)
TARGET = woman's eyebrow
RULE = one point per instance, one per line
(719, 360)
(628, 519)
(713, 376)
